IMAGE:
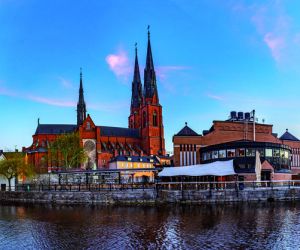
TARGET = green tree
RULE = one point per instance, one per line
(14, 166)
(67, 151)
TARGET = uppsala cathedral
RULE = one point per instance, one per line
(144, 135)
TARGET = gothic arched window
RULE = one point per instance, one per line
(144, 119)
(155, 119)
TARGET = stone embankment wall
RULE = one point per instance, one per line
(150, 196)
(65, 197)
(223, 196)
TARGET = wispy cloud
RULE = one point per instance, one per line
(66, 83)
(109, 107)
(163, 71)
(275, 44)
(275, 27)
(119, 64)
(50, 101)
(216, 97)
(104, 107)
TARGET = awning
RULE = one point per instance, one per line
(217, 168)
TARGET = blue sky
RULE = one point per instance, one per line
(211, 57)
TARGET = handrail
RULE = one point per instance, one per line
(222, 185)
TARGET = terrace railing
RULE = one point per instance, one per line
(229, 185)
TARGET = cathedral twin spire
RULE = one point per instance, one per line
(81, 107)
(150, 87)
(137, 98)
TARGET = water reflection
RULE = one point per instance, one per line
(248, 226)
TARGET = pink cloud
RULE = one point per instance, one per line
(275, 44)
(119, 64)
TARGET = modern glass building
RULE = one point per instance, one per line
(243, 154)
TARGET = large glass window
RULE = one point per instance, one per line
(281, 153)
(230, 153)
(222, 153)
(206, 156)
(286, 154)
(240, 152)
(276, 152)
(269, 152)
(250, 152)
(215, 155)
(261, 152)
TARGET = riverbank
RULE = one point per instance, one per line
(151, 196)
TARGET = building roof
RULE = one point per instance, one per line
(55, 128)
(288, 136)
(186, 131)
(217, 168)
(119, 132)
(135, 159)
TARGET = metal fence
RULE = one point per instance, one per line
(82, 187)
(229, 185)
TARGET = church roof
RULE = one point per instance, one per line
(119, 132)
(288, 137)
(55, 128)
(187, 131)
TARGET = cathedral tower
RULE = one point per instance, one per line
(136, 95)
(152, 129)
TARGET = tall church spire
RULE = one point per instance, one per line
(150, 88)
(136, 97)
(81, 108)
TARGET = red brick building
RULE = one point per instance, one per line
(144, 135)
(237, 138)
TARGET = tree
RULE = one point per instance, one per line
(67, 151)
(14, 165)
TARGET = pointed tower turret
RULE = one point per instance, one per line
(150, 88)
(81, 108)
(136, 96)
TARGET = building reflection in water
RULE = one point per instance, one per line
(272, 225)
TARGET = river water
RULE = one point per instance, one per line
(249, 226)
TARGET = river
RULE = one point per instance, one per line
(236, 226)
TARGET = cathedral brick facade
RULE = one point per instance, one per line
(144, 135)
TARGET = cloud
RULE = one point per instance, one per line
(163, 71)
(275, 27)
(216, 97)
(275, 44)
(6, 92)
(105, 107)
(119, 64)
(109, 107)
(50, 101)
(66, 83)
